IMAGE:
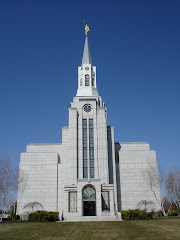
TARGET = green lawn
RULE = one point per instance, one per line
(166, 228)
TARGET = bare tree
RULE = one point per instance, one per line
(145, 203)
(5, 183)
(173, 186)
(22, 185)
(19, 181)
(155, 182)
(10, 179)
(32, 205)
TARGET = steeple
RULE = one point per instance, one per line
(87, 73)
(86, 54)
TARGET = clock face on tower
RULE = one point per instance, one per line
(87, 108)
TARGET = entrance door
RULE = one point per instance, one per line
(89, 201)
(89, 208)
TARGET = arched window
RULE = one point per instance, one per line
(81, 82)
(86, 80)
(89, 193)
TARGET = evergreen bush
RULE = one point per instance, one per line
(136, 214)
(13, 216)
(43, 216)
(172, 212)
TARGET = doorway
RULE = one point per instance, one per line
(89, 201)
(89, 208)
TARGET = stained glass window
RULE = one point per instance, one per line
(91, 132)
(91, 163)
(91, 148)
(85, 172)
(89, 194)
(85, 142)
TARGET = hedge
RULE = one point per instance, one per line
(136, 214)
(43, 216)
(13, 216)
(172, 212)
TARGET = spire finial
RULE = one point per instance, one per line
(86, 29)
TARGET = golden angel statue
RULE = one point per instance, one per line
(86, 29)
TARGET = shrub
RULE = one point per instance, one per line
(136, 214)
(43, 216)
(13, 216)
(172, 212)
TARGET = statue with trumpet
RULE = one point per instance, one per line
(86, 29)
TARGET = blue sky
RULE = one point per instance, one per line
(136, 48)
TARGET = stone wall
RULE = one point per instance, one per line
(38, 181)
(134, 160)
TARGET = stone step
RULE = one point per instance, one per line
(90, 218)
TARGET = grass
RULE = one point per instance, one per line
(157, 229)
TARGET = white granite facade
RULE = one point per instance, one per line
(88, 176)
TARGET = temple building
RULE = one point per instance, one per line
(88, 176)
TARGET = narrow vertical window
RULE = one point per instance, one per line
(81, 82)
(86, 80)
(92, 82)
(91, 148)
(105, 201)
(85, 172)
(72, 201)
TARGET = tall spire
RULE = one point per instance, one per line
(87, 73)
(86, 54)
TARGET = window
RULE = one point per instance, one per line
(72, 201)
(87, 108)
(81, 82)
(89, 193)
(91, 148)
(105, 201)
(85, 172)
(86, 80)
(93, 82)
